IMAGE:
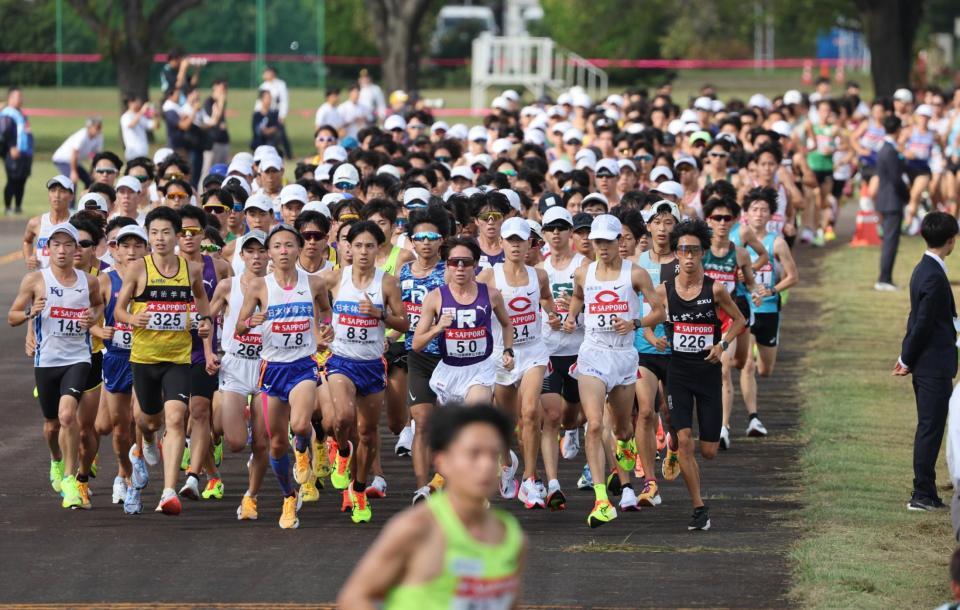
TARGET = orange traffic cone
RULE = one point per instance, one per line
(866, 233)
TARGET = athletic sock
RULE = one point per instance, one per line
(627, 486)
(82, 478)
(281, 468)
(359, 487)
(752, 417)
(553, 483)
(343, 451)
(601, 492)
(301, 442)
(190, 474)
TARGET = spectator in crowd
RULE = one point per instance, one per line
(371, 96)
(184, 134)
(355, 115)
(280, 101)
(327, 113)
(892, 196)
(81, 146)
(214, 118)
(16, 148)
(135, 125)
(266, 122)
(174, 74)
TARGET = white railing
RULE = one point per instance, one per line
(537, 64)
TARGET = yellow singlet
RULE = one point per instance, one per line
(167, 336)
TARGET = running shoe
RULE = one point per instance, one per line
(404, 446)
(614, 486)
(829, 234)
(288, 517)
(756, 428)
(214, 489)
(301, 466)
(361, 508)
(340, 477)
(247, 509)
(541, 487)
(70, 491)
(638, 471)
(628, 500)
(119, 490)
(661, 435)
(140, 475)
(321, 463)
(190, 489)
(309, 492)
(436, 483)
(818, 242)
(169, 503)
(627, 454)
(56, 474)
(84, 489)
(586, 479)
(346, 501)
(508, 484)
(529, 495)
(700, 519)
(421, 494)
(218, 453)
(650, 494)
(570, 444)
(94, 466)
(151, 453)
(555, 498)
(132, 505)
(378, 488)
(185, 460)
(603, 512)
(724, 437)
(806, 236)
(670, 467)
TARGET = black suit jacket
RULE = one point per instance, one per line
(892, 193)
(929, 349)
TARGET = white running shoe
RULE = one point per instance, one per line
(140, 476)
(508, 484)
(570, 444)
(530, 495)
(586, 479)
(119, 490)
(756, 428)
(190, 489)
(404, 446)
(377, 488)
(151, 453)
(724, 437)
(628, 500)
(421, 494)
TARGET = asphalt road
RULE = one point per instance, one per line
(206, 558)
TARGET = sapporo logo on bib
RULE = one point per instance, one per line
(167, 315)
(764, 275)
(605, 306)
(727, 278)
(692, 338)
(466, 342)
(413, 313)
(478, 593)
(521, 318)
(352, 326)
(122, 336)
(66, 321)
(248, 346)
(289, 334)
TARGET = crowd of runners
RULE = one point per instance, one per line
(603, 272)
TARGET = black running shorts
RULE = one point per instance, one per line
(53, 382)
(202, 384)
(420, 367)
(559, 381)
(695, 384)
(158, 383)
(656, 364)
(95, 376)
(396, 356)
(766, 328)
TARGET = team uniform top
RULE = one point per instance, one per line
(768, 276)
(659, 273)
(246, 346)
(558, 342)
(43, 236)
(122, 339)
(413, 290)
(523, 307)
(872, 140)
(475, 575)
(921, 145)
(487, 261)
(288, 329)
(61, 339)
(326, 266)
(357, 336)
(96, 344)
(469, 338)
(166, 337)
(606, 300)
(693, 327)
(209, 285)
(723, 269)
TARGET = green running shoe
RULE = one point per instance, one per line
(627, 454)
(56, 475)
(603, 512)
(71, 493)
(185, 461)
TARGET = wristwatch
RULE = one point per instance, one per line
(201, 318)
(724, 345)
(508, 350)
(637, 323)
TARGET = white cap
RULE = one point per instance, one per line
(458, 131)
(685, 160)
(586, 163)
(555, 111)
(65, 227)
(238, 181)
(689, 116)
(557, 213)
(635, 128)
(243, 157)
(595, 197)
(439, 126)
(717, 106)
(62, 181)
(500, 103)
(483, 159)
(559, 166)
(513, 198)
(331, 199)
(670, 188)
(477, 133)
(322, 173)
(394, 121)
(560, 127)
(657, 207)
(334, 153)
(511, 95)
(515, 227)
(293, 192)
(416, 196)
(792, 97)
(783, 128)
(760, 101)
(241, 166)
(135, 230)
(626, 163)
(586, 153)
(690, 127)
(271, 162)
(609, 166)
(260, 202)
(535, 228)
(675, 126)
(529, 111)
(605, 226)
(703, 103)
(815, 97)
(318, 206)
(729, 137)
(346, 172)
(461, 171)
(572, 134)
(98, 201)
(903, 95)
(263, 151)
(564, 99)
(924, 110)
(501, 145)
(390, 170)
(470, 191)
(661, 171)
(254, 235)
(129, 182)
(615, 99)
(534, 136)
(582, 100)
(161, 155)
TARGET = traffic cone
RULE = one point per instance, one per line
(807, 76)
(866, 233)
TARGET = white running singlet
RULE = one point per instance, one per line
(61, 340)
(356, 336)
(523, 307)
(288, 329)
(558, 342)
(604, 301)
(246, 346)
(42, 249)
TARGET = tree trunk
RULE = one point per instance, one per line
(891, 28)
(133, 74)
(396, 56)
(396, 26)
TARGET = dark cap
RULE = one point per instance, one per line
(547, 200)
(277, 228)
(582, 221)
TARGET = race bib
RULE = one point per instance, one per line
(248, 346)
(65, 321)
(478, 593)
(289, 334)
(523, 321)
(764, 275)
(692, 338)
(165, 316)
(122, 336)
(466, 342)
(727, 278)
(775, 224)
(413, 313)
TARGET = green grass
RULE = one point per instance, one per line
(861, 547)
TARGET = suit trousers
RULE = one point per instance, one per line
(890, 223)
(933, 404)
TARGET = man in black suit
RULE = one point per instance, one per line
(892, 196)
(929, 352)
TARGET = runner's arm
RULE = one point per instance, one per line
(131, 280)
(749, 238)
(576, 299)
(644, 285)
(546, 295)
(743, 261)
(251, 299)
(725, 302)
(790, 274)
(29, 234)
(95, 311)
(205, 326)
(100, 330)
(217, 303)
(393, 315)
(18, 313)
(426, 329)
(496, 302)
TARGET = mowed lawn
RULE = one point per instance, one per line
(858, 545)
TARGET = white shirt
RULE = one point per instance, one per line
(279, 99)
(328, 115)
(354, 116)
(371, 97)
(81, 142)
(135, 143)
